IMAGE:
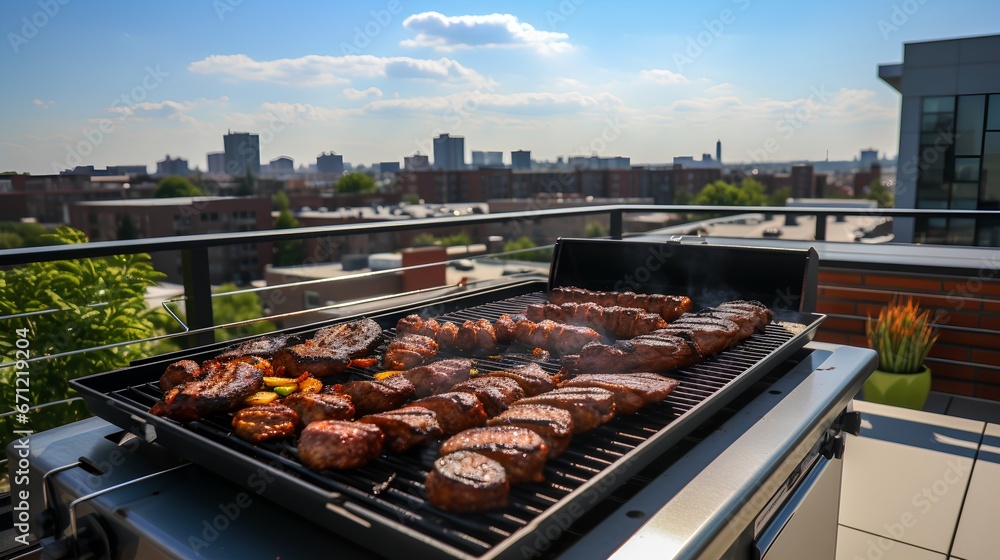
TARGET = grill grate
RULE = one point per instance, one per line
(393, 486)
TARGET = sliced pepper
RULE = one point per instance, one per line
(310, 385)
(260, 397)
(285, 390)
(278, 381)
(386, 374)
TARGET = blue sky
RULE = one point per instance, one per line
(119, 83)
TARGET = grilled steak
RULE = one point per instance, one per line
(668, 307)
(521, 452)
(464, 482)
(313, 407)
(622, 322)
(438, 377)
(456, 411)
(531, 377)
(408, 351)
(263, 347)
(415, 324)
(476, 336)
(496, 393)
(335, 444)
(265, 422)
(330, 350)
(179, 372)
(589, 406)
(711, 334)
(555, 425)
(632, 391)
(405, 427)
(221, 388)
(505, 329)
(374, 396)
(554, 337)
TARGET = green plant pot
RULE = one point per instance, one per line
(908, 390)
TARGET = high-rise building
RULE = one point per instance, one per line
(949, 138)
(330, 163)
(449, 152)
(487, 159)
(172, 166)
(283, 165)
(416, 162)
(718, 151)
(216, 162)
(520, 160)
(242, 153)
(388, 168)
(868, 157)
(802, 181)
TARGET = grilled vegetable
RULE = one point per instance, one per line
(310, 385)
(278, 381)
(261, 397)
(285, 390)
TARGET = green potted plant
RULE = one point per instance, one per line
(902, 335)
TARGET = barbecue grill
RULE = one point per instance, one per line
(764, 415)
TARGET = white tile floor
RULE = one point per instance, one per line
(921, 485)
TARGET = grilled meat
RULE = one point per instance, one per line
(531, 377)
(330, 350)
(405, 427)
(555, 425)
(689, 339)
(522, 452)
(589, 406)
(496, 393)
(262, 347)
(505, 328)
(265, 422)
(456, 410)
(471, 336)
(221, 388)
(408, 351)
(313, 407)
(622, 322)
(374, 396)
(179, 372)
(465, 482)
(438, 377)
(335, 444)
(632, 391)
(447, 335)
(475, 336)
(415, 324)
(554, 337)
(668, 307)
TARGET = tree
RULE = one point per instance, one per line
(881, 193)
(287, 253)
(522, 244)
(428, 240)
(595, 229)
(779, 197)
(176, 186)
(280, 201)
(355, 183)
(127, 229)
(682, 196)
(23, 234)
(97, 302)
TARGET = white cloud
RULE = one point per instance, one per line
(664, 77)
(531, 102)
(447, 34)
(724, 88)
(820, 105)
(167, 109)
(43, 104)
(323, 70)
(356, 94)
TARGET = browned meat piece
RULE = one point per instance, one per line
(438, 377)
(668, 307)
(505, 329)
(753, 311)
(374, 396)
(464, 482)
(522, 452)
(555, 337)
(632, 391)
(408, 351)
(313, 407)
(531, 377)
(476, 336)
(330, 350)
(711, 334)
(657, 351)
(263, 347)
(622, 322)
(456, 411)
(415, 324)
(222, 388)
(265, 422)
(335, 444)
(496, 393)
(589, 406)
(405, 427)
(555, 425)
(179, 372)
(447, 335)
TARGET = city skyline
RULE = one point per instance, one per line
(127, 84)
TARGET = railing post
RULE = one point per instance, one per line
(616, 229)
(198, 295)
(820, 227)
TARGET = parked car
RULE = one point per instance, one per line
(772, 232)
